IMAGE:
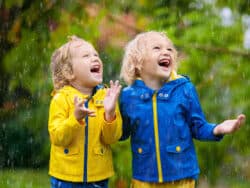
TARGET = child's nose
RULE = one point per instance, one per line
(165, 52)
(95, 58)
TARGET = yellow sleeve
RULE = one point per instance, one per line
(62, 125)
(112, 131)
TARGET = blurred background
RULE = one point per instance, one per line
(213, 41)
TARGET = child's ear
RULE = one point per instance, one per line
(68, 75)
(137, 71)
(67, 72)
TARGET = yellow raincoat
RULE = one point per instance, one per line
(80, 152)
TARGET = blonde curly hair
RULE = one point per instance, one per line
(61, 63)
(134, 56)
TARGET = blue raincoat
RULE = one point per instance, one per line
(162, 125)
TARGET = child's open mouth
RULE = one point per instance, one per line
(164, 63)
(95, 69)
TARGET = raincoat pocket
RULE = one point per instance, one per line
(99, 150)
(68, 151)
(141, 150)
(178, 148)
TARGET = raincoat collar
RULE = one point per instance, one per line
(69, 90)
(181, 79)
(164, 93)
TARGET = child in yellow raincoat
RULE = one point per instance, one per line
(84, 118)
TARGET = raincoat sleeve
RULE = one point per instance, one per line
(62, 123)
(112, 131)
(201, 129)
(126, 127)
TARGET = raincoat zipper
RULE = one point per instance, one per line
(85, 147)
(157, 143)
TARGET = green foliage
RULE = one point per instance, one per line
(24, 137)
(111, 64)
(122, 163)
(12, 3)
(28, 61)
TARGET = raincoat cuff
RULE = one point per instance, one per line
(109, 122)
(217, 137)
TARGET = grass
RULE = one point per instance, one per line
(30, 178)
(24, 178)
(225, 182)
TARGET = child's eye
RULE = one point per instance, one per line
(85, 55)
(156, 47)
(170, 49)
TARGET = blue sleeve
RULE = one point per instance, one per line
(126, 127)
(201, 129)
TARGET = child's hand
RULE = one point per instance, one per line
(80, 110)
(110, 100)
(230, 126)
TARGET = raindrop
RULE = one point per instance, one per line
(247, 39)
(41, 5)
(226, 17)
(196, 5)
(30, 140)
(246, 25)
(246, 21)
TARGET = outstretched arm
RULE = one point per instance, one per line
(230, 126)
(111, 99)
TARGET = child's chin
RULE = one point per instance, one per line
(166, 75)
(98, 81)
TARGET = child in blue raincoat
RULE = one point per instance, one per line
(162, 114)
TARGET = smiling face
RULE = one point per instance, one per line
(86, 65)
(159, 60)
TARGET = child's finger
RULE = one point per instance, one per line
(241, 120)
(76, 100)
(117, 87)
(108, 92)
(111, 83)
(91, 113)
(82, 102)
(117, 83)
(87, 111)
